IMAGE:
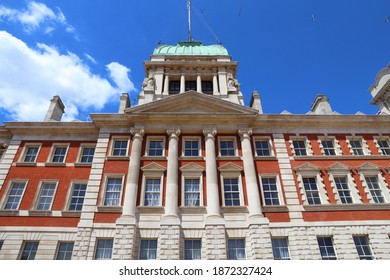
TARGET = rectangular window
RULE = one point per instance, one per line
(119, 148)
(343, 189)
(231, 192)
(227, 148)
(2, 154)
(77, 199)
(375, 189)
(363, 247)
(191, 192)
(31, 154)
(270, 191)
(326, 248)
(299, 148)
(262, 148)
(59, 154)
(280, 248)
(29, 250)
(1, 244)
(152, 192)
(191, 148)
(207, 87)
(148, 249)
(65, 250)
(113, 192)
(190, 85)
(156, 148)
(384, 147)
(104, 249)
(328, 147)
(357, 148)
(174, 87)
(87, 154)
(192, 249)
(46, 196)
(236, 249)
(311, 190)
(15, 196)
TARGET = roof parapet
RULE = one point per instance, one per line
(321, 105)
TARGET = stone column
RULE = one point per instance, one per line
(130, 200)
(198, 83)
(171, 199)
(215, 84)
(182, 82)
(166, 85)
(222, 77)
(213, 208)
(252, 187)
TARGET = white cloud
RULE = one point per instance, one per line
(35, 16)
(90, 58)
(30, 77)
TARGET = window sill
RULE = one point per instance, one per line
(347, 207)
(191, 158)
(266, 158)
(341, 157)
(9, 212)
(110, 209)
(42, 213)
(154, 158)
(193, 209)
(25, 164)
(229, 158)
(234, 209)
(151, 209)
(275, 208)
(55, 164)
(83, 164)
(74, 214)
(117, 158)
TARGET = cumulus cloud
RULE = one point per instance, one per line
(36, 15)
(29, 77)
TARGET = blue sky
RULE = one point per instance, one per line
(89, 52)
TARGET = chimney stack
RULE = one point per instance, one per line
(124, 103)
(321, 105)
(56, 110)
(256, 102)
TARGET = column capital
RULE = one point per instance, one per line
(245, 132)
(210, 130)
(137, 131)
(174, 131)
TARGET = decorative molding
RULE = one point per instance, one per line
(210, 131)
(245, 132)
(174, 132)
(137, 131)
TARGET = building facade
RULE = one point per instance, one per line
(193, 173)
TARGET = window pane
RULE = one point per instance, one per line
(207, 87)
(1, 244)
(328, 147)
(326, 248)
(375, 189)
(148, 249)
(46, 196)
(343, 189)
(270, 190)
(190, 85)
(155, 148)
(356, 147)
(311, 190)
(113, 192)
(280, 249)
(104, 249)
(174, 87)
(191, 192)
(120, 148)
(29, 250)
(65, 250)
(15, 196)
(87, 155)
(192, 249)
(227, 148)
(78, 194)
(31, 154)
(363, 247)
(262, 148)
(191, 148)
(231, 192)
(236, 249)
(59, 154)
(299, 148)
(384, 147)
(152, 192)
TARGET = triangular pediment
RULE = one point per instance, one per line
(229, 167)
(191, 103)
(192, 167)
(307, 167)
(368, 166)
(338, 167)
(153, 167)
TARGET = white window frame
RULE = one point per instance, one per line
(8, 192)
(232, 175)
(155, 138)
(310, 171)
(381, 138)
(148, 248)
(363, 143)
(265, 139)
(192, 248)
(371, 170)
(39, 194)
(287, 246)
(25, 149)
(104, 190)
(368, 244)
(227, 248)
(54, 146)
(152, 175)
(191, 138)
(228, 138)
(70, 194)
(96, 248)
(306, 142)
(278, 187)
(336, 145)
(327, 257)
(58, 251)
(112, 145)
(23, 248)
(341, 170)
(80, 155)
(192, 176)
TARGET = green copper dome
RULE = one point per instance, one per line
(189, 48)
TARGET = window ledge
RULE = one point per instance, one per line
(266, 158)
(347, 207)
(75, 214)
(151, 209)
(59, 164)
(193, 209)
(25, 164)
(43, 213)
(191, 158)
(110, 209)
(275, 208)
(341, 157)
(234, 209)
(83, 164)
(154, 158)
(229, 158)
(9, 212)
(117, 157)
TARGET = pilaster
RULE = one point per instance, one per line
(215, 242)
(170, 242)
(8, 158)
